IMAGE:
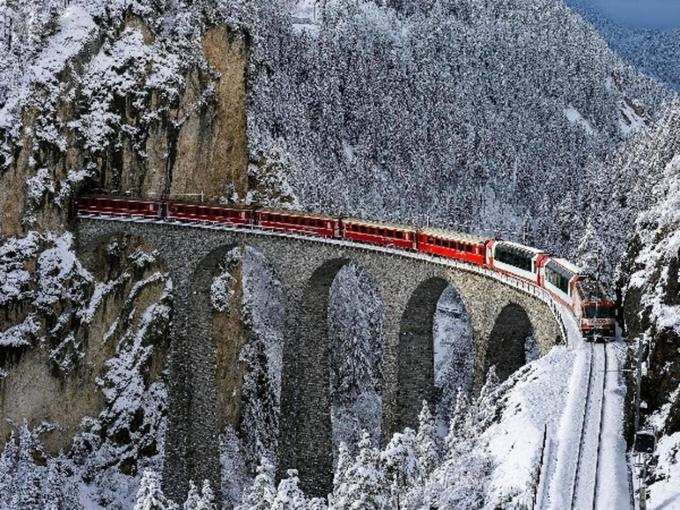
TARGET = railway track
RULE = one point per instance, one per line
(587, 477)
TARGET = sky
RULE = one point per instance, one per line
(641, 13)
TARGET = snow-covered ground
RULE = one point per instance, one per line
(550, 399)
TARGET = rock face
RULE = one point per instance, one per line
(134, 109)
(132, 114)
(651, 283)
(211, 146)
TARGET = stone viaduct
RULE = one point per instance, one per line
(501, 316)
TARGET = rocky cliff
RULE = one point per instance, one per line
(651, 304)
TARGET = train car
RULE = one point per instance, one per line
(118, 207)
(559, 277)
(200, 212)
(381, 234)
(516, 259)
(595, 312)
(453, 245)
(289, 221)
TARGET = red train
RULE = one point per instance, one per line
(565, 281)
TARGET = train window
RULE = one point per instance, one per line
(514, 257)
(558, 280)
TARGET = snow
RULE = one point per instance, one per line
(614, 489)
(575, 117)
(663, 493)
(306, 16)
(21, 334)
(536, 401)
(76, 28)
(629, 121)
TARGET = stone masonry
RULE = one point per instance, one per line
(501, 318)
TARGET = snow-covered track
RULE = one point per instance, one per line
(603, 406)
(586, 474)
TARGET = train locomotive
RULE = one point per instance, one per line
(566, 282)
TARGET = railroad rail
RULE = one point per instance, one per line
(584, 490)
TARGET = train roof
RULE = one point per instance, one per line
(376, 224)
(572, 268)
(453, 235)
(298, 214)
(521, 247)
(591, 290)
(116, 198)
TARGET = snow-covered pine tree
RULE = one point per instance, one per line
(400, 458)
(27, 495)
(317, 504)
(207, 501)
(591, 251)
(193, 497)
(262, 492)
(59, 490)
(459, 425)
(289, 496)
(427, 443)
(8, 468)
(486, 405)
(460, 480)
(150, 495)
(344, 462)
(365, 485)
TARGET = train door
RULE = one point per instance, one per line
(489, 245)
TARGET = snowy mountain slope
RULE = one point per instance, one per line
(477, 156)
(653, 47)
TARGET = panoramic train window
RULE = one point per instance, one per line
(514, 257)
(557, 279)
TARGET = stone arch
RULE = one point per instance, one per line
(356, 331)
(415, 352)
(507, 341)
(306, 429)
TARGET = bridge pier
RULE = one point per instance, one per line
(192, 440)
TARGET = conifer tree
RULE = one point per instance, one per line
(365, 485)
(150, 495)
(193, 497)
(343, 465)
(591, 251)
(207, 501)
(289, 496)
(459, 426)
(400, 458)
(426, 443)
(8, 468)
(261, 494)
(317, 504)
(59, 491)
(27, 486)
(487, 400)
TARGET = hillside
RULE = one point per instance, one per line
(652, 47)
(649, 276)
